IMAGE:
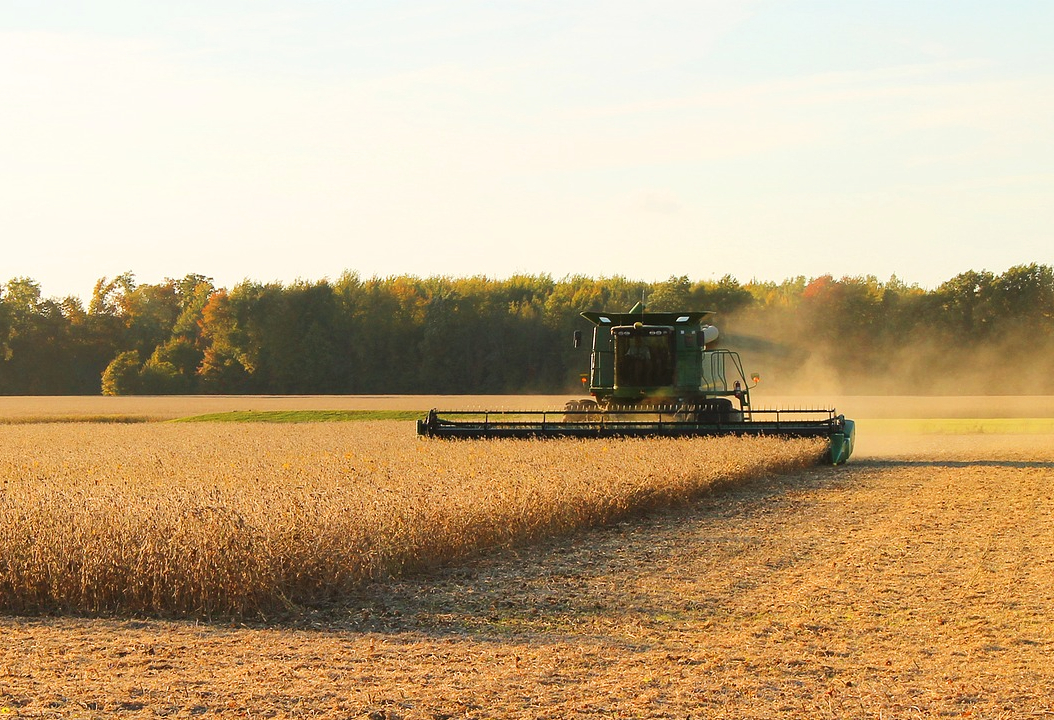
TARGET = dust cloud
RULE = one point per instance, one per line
(793, 362)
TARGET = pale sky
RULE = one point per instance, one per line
(275, 140)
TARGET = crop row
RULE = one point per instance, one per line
(249, 518)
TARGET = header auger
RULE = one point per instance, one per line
(653, 374)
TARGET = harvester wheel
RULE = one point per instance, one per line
(585, 410)
(719, 411)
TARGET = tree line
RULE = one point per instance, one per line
(977, 333)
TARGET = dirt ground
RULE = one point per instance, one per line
(917, 581)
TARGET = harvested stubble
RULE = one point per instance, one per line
(235, 519)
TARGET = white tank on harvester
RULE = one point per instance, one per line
(654, 374)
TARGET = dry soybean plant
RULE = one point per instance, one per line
(235, 519)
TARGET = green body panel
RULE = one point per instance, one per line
(688, 359)
(841, 444)
(602, 365)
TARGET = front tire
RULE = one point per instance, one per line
(585, 410)
(717, 412)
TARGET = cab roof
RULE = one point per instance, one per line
(682, 319)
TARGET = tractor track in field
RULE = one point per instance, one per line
(918, 584)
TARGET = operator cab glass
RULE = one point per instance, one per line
(644, 356)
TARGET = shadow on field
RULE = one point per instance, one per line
(894, 463)
(610, 582)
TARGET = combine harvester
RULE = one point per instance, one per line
(652, 375)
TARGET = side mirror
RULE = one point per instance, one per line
(578, 339)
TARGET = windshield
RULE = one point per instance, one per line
(643, 356)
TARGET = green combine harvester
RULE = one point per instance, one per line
(652, 374)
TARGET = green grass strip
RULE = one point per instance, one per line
(303, 416)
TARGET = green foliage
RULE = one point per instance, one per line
(40, 342)
(121, 376)
(977, 332)
(672, 295)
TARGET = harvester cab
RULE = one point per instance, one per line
(654, 374)
(646, 359)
